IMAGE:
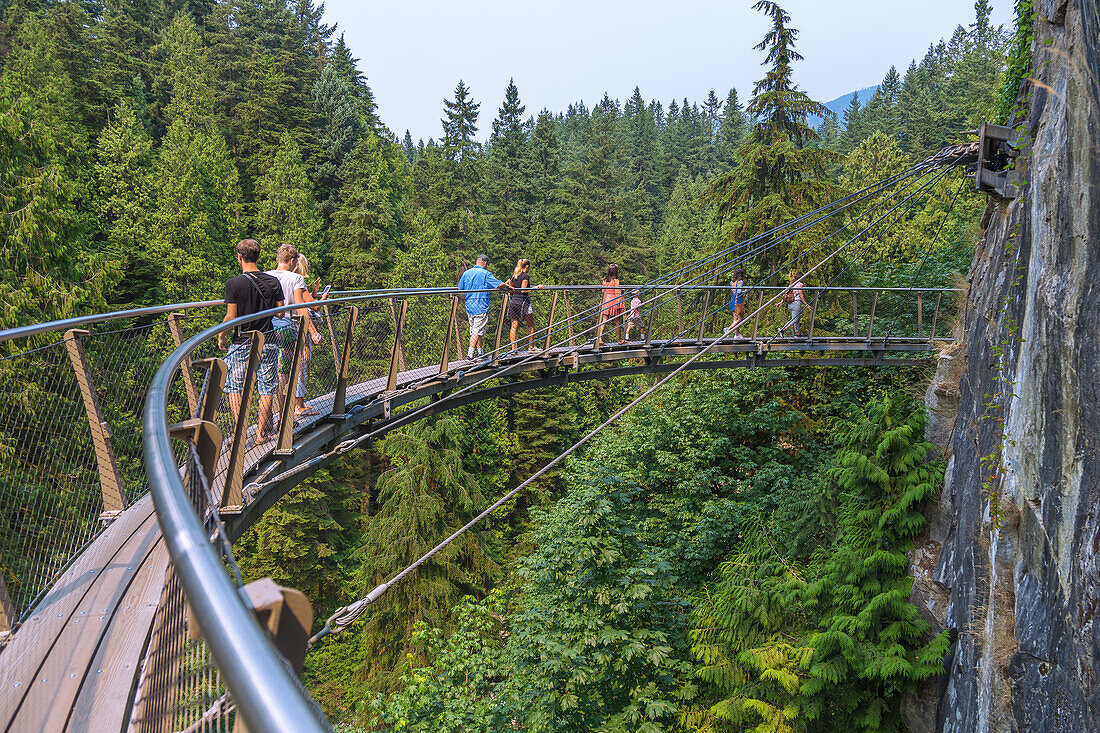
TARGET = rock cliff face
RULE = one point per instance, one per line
(1010, 562)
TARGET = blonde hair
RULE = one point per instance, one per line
(520, 265)
(302, 267)
(286, 253)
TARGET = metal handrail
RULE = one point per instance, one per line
(78, 321)
(266, 695)
(265, 692)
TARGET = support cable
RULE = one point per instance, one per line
(352, 443)
(346, 615)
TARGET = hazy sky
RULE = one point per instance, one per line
(413, 52)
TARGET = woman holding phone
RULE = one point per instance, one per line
(301, 409)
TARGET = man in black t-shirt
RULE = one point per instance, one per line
(251, 292)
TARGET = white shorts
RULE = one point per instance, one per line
(478, 323)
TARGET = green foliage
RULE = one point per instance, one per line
(461, 687)
(367, 223)
(1019, 61)
(596, 640)
(781, 174)
(46, 269)
(833, 643)
(285, 208)
(424, 496)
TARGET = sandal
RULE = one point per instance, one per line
(306, 411)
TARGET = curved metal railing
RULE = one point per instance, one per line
(64, 442)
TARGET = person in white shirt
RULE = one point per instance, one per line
(286, 329)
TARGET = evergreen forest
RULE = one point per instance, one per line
(730, 556)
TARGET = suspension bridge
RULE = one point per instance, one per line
(125, 478)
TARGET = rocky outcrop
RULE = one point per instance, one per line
(1016, 533)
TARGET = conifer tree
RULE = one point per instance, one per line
(198, 213)
(645, 178)
(458, 188)
(506, 190)
(780, 173)
(367, 225)
(854, 128)
(339, 129)
(347, 68)
(834, 644)
(286, 212)
(410, 150)
(425, 495)
(124, 205)
(594, 189)
(731, 130)
(542, 170)
(45, 270)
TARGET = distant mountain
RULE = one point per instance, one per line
(839, 104)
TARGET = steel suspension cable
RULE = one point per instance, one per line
(348, 445)
(346, 615)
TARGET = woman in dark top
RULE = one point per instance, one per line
(519, 306)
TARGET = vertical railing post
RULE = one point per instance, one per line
(331, 334)
(207, 437)
(920, 316)
(756, 321)
(396, 354)
(568, 319)
(7, 612)
(935, 317)
(234, 471)
(550, 325)
(679, 316)
(500, 326)
(445, 357)
(285, 444)
(339, 397)
(185, 366)
(813, 315)
(706, 314)
(215, 382)
(400, 352)
(110, 478)
(652, 314)
(871, 322)
(855, 321)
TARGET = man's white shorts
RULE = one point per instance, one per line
(478, 323)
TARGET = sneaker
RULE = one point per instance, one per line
(469, 353)
(480, 353)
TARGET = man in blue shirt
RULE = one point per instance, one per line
(477, 303)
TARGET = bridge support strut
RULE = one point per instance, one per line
(110, 478)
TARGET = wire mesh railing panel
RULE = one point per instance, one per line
(122, 363)
(50, 496)
(179, 688)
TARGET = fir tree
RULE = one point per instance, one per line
(644, 182)
(286, 212)
(425, 495)
(854, 128)
(458, 188)
(780, 173)
(340, 128)
(506, 190)
(124, 203)
(731, 131)
(410, 150)
(366, 227)
(198, 212)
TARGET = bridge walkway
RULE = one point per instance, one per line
(74, 655)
